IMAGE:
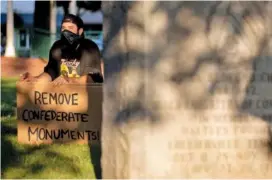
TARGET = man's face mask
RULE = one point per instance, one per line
(71, 38)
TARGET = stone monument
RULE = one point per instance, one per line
(187, 90)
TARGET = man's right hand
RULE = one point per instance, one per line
(27, 77)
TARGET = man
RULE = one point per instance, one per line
(72, 59)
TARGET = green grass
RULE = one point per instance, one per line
(8, 96)
(44, 161)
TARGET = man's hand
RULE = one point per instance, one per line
(27, 77)
(60, 80)
(43, 77)
(66, 80)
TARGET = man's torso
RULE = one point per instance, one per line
(71, 61)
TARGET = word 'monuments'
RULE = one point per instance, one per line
(57, 98)
(30, 115)
(44, 134)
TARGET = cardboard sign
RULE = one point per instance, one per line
(61, 114)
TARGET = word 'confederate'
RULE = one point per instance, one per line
(31, 115)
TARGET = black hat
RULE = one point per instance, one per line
(73, 19)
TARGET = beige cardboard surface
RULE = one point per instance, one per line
(63, 114)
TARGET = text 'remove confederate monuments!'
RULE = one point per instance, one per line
(66, 113)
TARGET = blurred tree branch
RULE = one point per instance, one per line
(92, 6)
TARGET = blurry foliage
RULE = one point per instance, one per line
(87, 5)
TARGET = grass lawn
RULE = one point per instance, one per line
(44, 161)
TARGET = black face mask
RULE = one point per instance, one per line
(71, 38)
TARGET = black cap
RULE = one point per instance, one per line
(73, 19)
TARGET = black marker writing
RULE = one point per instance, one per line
(57, 98)
(45, 134)
(36, 115)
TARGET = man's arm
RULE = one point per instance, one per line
(51, 69)
(93, 66)
(50, 72)
(91, 77)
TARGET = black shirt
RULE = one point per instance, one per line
(77, 61)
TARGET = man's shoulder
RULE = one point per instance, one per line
(57, 44)
(89, 44)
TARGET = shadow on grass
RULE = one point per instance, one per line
(14, 156)
(8, 97)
